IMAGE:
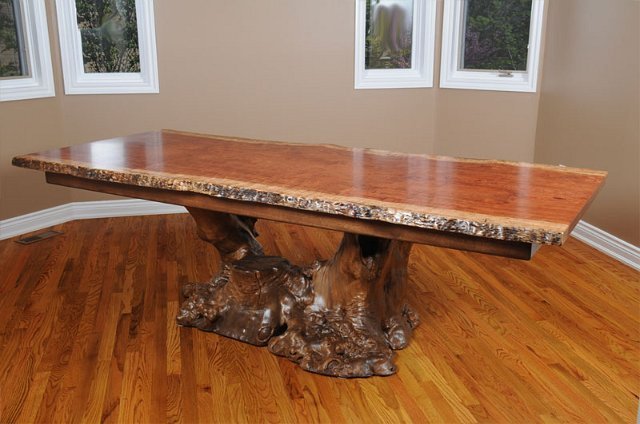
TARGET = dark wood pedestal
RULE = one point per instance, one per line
(343, 317)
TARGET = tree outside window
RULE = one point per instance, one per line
(13, 61)
(496, 34)
(389, 31)
(109, 35)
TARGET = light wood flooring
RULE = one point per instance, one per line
(87, 334)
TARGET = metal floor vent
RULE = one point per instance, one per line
(38, 237)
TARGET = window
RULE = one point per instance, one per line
(25, 61)
(13, 51)
(394, 43)
(491, 44)
(108, 46)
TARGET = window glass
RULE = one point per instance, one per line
(13, 54)
(496, 35)
(109, 35)
(389, 31)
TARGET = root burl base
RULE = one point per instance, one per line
(342, 317)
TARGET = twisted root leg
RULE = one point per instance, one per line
(350, 326)
(243, 302)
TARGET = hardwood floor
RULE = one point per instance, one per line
(88, 334)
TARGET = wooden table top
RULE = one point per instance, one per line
(494, 199)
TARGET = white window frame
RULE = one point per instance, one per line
(39, 83)
(77, 81)
(422, 55)
(453, 77)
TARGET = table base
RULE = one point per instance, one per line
(342, 317)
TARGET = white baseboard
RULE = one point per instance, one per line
(608, 244)
(82, 210)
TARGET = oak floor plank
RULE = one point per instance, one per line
(88, 334)
(31, 327)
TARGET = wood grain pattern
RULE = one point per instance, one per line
(552, 340)
(501, 200)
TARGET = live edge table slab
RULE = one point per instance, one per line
(344, 316)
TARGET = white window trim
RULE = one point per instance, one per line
(422, 55)
(452, 77)
(36, 34)
(77, 81)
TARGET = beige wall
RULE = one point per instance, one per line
(589, 109)
(276, 70)
(486, 124)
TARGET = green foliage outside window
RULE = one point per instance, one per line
(388, 43)
(497, 34)
(10, 60)
(109, 34)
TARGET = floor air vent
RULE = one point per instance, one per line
(37, 237)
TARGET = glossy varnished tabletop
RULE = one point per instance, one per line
(490, 199)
